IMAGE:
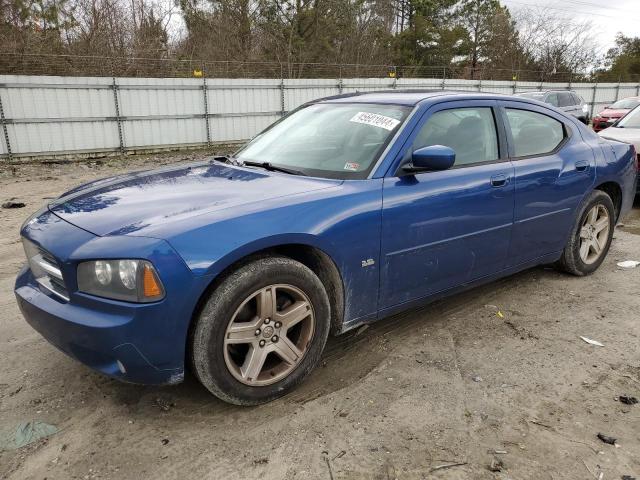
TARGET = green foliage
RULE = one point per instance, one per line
(624, 59)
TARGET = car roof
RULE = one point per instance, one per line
(404, 97)
(544, 92)
(633, 97)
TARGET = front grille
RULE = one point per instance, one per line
(45, 270)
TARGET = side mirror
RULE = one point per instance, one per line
(432, 158)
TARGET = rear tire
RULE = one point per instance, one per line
(261, 332)
(590, 236)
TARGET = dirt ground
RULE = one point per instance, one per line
(499, 368)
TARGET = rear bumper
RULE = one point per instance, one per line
(105, 342)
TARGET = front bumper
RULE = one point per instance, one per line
(103, 342)
(138, 343)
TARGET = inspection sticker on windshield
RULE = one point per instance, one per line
(375, 120)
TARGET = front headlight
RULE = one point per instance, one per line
(128, 280)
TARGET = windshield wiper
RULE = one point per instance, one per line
(230, 159)
(272, 168)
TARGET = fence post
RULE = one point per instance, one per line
(114, 87)
(638, 90)
(570, 79)
(444, 76)
(395, 77)
(205, 97)
(593, 97)
(618, 89)
(282, 97)
(5, 130)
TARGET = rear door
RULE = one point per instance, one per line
(554, 168)
(442, 229)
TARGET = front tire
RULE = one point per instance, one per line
(590, 237)
(261, 331)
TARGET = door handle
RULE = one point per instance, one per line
(582, 165)
(499, 180)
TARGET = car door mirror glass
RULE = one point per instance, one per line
(431, 158)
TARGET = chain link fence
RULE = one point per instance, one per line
(96, 66)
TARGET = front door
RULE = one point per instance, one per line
(442, 229)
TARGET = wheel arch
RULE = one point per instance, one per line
(614, 190)
(313, 257)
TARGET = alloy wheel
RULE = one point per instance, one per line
(269, 335)
(594, 234)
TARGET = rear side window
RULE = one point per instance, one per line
(470, 132)
(577, 100)
(534, 133)
(564, 99)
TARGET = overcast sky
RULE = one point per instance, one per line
(607, 16)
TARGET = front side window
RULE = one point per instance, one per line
(331, 140)
(534, 133)
(470, 132)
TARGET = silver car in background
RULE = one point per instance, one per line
(627, 130)
(566, 100)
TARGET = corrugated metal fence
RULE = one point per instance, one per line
(50, 116)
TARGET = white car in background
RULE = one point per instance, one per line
(627, 130)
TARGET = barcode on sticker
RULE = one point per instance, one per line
(375, 120)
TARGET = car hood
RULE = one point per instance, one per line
(627, 135)
(127, 204)
(610, 113)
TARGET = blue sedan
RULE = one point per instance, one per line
(347, 210)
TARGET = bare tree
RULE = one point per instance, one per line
(555, 43)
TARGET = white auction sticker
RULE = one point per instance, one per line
(375, 120)
(352, 166)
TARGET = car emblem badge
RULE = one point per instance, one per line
(368, 262)
(268, 332)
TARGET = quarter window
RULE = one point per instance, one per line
(534, 133)
(470, 132)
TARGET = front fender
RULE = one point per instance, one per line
(344, 223)
(266, 243)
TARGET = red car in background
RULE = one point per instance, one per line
(614, 112)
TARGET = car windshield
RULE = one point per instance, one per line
(625, 103)
(631, 119)
(331, 140)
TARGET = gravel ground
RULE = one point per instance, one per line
(431, 393)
